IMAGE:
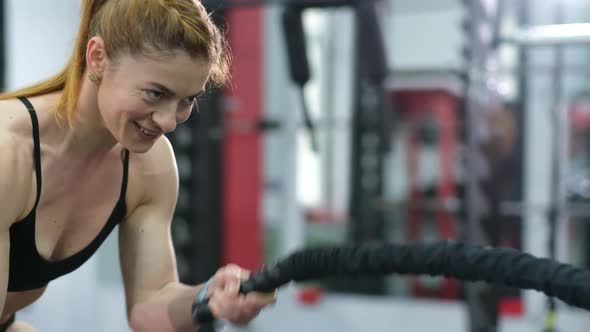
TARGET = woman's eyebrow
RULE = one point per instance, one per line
(169, 91)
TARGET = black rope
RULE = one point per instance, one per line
(461, 261)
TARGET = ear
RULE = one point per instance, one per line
(95, 55)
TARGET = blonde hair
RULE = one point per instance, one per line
(136, 27)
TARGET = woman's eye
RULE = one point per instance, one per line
(154, 95)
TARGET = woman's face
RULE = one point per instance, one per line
(142, 98)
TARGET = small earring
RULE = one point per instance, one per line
(92, 76)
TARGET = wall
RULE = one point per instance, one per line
(422, 36)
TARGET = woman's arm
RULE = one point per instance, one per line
(15, 184)
(155, 299)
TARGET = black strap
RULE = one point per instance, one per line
(36, 146)
(4, 326)
(37, 153)
(125, 174)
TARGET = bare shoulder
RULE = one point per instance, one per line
(154, 174)
(14, 118)
(16, 166)
(158, 161)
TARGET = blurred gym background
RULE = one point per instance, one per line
(353, 121)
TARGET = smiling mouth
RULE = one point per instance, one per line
(147, 132)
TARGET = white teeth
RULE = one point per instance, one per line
(147, 132)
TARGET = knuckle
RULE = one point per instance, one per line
(232, 267)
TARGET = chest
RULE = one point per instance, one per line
(74, 206)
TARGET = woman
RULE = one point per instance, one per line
(85, 151)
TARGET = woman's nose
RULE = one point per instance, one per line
(165, 119)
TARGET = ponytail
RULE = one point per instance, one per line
(69, 78)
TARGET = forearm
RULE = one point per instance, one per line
(169, 309)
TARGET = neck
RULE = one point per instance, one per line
(82, 142)
(88, 136)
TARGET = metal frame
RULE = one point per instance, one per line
(370, 139)
(482, 208)
(553, 34)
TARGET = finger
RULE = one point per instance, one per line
(228, 276)
(236, 272)
(228, 270)
(240, 321)
(236, 280)
(215, 307)
(232, 288)
(231, 267)
(261, 299)
(224, 305)
(245, 274)
(244, 315)
(237, 310)
(240, 275)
